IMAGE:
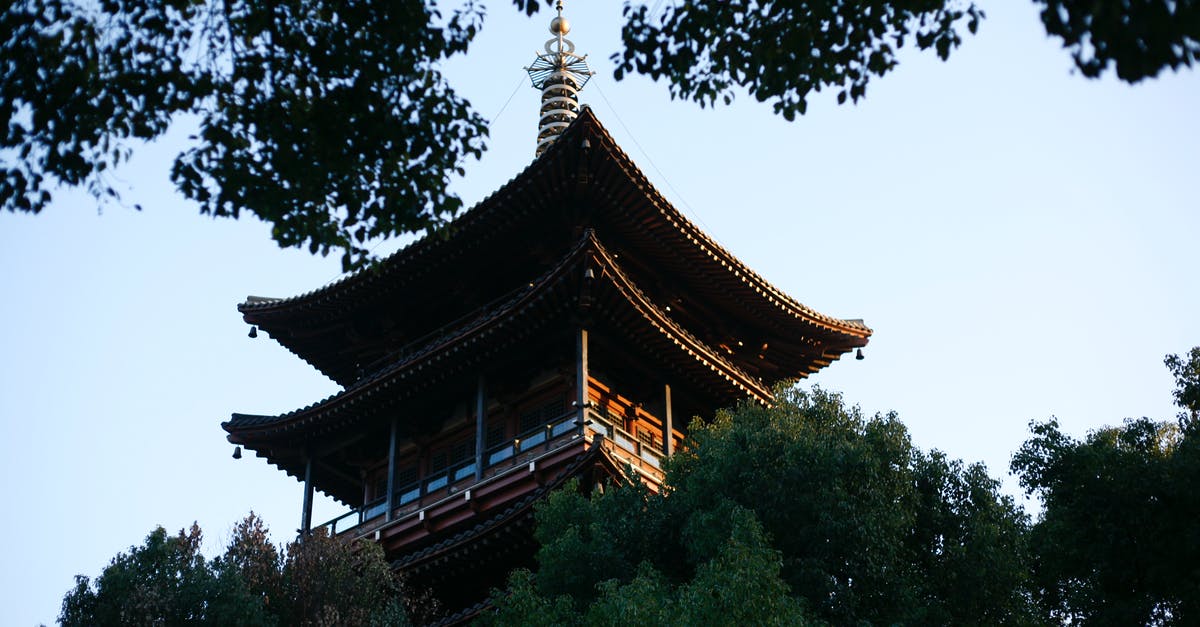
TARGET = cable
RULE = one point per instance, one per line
(691, 210)
(510, 97)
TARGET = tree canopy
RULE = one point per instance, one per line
(333, 122)
(806, 511)
(1117, 542)
(320, 581)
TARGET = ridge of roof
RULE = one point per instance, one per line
(585, 122)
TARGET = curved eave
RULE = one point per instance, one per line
(549, 176)
(244, 428)
(703, 246)
(669, 332)
(553, 293)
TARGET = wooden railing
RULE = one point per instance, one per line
(642, 457)
(500, 457)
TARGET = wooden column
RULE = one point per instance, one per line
(581, 374)
(391, 472)
(668, 424)
(480, 425)
(306, 511)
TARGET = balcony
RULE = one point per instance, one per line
(444, 484)
(599, 429)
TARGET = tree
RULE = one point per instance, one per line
(836, 518)
(1116, 542)
(164, 581)
(318, 581)
(740, 585)
(782, 51)
(332, 120)
(1138, 38)
(1187, 381)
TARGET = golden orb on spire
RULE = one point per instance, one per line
(560, 74)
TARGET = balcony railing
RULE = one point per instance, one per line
(603, 423)
(546, 437)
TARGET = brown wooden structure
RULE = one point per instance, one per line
(567, 326)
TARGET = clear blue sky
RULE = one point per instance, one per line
(1021, 239)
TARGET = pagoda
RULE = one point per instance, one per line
(568, 326)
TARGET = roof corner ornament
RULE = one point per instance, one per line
(560, 74)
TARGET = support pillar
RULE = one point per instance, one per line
(581, 374)
(480, 425)
(668, 424)
(306, 511)
(391, 473)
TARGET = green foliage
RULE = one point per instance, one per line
(804, 511)
(1117, 542)
(329, 582)
(329, 120)
(1187, 380)
(740, 585)
(320, 581)
(164, 581)
(332, 120)
(783, 51)
(1140, 38)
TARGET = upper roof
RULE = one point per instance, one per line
(365, 322)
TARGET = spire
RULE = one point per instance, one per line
(560, 74)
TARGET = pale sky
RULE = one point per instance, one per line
(1020, 238)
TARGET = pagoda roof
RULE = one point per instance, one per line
(587, 167)
(589, 279)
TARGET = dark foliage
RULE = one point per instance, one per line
(321, 581)
(1117, 542)
(1136, 38)
(783, 51)
(332, 120)
(854, 526)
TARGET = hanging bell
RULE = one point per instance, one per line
(237, 452)
(859, 355)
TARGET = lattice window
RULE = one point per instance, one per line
(542, 415)
(406, 476)
(496, 433)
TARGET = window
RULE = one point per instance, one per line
(452, 455)
(647, 437)
(541, 415)
(496, 433)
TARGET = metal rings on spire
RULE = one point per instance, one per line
(559, 73)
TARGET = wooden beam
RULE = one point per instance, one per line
(391, 472)
(668, 424)
(581, 374)
(306, 510)
(480, 425)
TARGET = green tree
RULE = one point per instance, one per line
(332, 120)
(320, 581)
(327, 581)
(783, 51)
(1136, 38)
(1117, 541)
(834, 517)
(740, 585)
(1186, 371)
(164, 581)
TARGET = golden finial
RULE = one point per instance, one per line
(560, 74)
